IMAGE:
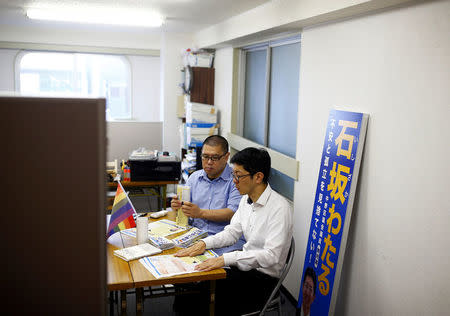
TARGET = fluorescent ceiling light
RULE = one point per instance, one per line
(97, 16)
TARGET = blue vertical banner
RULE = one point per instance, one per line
(336, 186)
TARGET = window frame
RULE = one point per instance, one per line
(281, 162)
(22, 53)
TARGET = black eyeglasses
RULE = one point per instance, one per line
(213, 158)
(237, 178)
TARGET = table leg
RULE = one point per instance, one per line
(139, 301)
(212, 297)
(123, 302)
(111, 303)
(164, 196)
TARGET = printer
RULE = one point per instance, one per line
(154, 166)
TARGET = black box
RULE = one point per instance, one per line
(154, 170)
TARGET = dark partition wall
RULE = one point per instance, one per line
(53, 205)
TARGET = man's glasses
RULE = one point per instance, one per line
(213, 158)
(237, 178)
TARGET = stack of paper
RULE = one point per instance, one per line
(161, 242)
(190, 237)
(200, 115)
(136, 252)
(201, 122)
(164, 228)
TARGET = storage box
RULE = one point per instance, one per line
(197, 135)
(200, 60)
(198, 113)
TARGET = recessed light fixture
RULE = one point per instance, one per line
(97, 16)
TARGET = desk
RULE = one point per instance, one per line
(124, 275)
(161, 185)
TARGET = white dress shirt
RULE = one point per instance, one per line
(267, 227)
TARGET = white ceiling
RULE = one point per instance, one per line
(180, 15)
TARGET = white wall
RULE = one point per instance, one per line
(146, 88)
(394, 66)
(7, 57)
(223, 82)
(124, 137)
(279, 16)
(172, 45)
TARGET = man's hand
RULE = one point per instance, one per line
(191, 210)
(196, 249)
(175, 204)
(211, 264)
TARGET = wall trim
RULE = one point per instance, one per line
(80, 49)
(285, 164)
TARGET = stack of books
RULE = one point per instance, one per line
(190, 237)
(136, 252)
(161, 242)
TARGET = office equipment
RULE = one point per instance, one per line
(154, 166)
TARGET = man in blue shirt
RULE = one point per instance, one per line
(214, 197)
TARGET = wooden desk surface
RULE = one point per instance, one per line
(118, 271)
(125, 275)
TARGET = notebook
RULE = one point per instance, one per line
(137, 252)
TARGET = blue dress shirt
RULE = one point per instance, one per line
(212, 195)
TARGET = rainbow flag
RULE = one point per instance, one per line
(122, 214)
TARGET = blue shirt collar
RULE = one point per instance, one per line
(225, 175)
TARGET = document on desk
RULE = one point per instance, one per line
(168, 265)
(136, 252)
(161, 228)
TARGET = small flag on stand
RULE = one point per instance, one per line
(123, 213)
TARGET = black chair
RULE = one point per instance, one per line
(274, 301)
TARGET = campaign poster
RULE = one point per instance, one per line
(331, 214)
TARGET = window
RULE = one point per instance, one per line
(270, 101)
(80, 75)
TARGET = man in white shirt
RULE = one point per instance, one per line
(264, 218)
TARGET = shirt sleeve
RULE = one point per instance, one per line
(230, 234)
(279, 230)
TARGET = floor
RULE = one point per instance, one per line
(162, 306)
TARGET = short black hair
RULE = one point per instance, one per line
(312, 274)
(254, 160)
(217, 140)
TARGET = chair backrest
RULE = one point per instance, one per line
(284, 272)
